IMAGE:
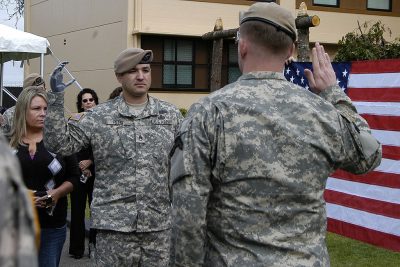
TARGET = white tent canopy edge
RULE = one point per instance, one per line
(18, 45)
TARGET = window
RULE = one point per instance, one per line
(178, 64)
(233, 67)
(381, 5)
(331, 3)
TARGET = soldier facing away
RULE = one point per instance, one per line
(131, 136)
(251, 160)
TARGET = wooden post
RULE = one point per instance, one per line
(217, 36)
(218, 45)
(303, 24)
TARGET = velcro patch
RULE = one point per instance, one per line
(77, 116)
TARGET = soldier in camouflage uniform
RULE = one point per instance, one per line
(17, 232)
(250, 162)
(131, 136)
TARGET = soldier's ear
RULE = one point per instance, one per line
(290, 51)
(118, 76)
(243, 48)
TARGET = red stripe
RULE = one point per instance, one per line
(360, 233)
(361, 203)
(391, 152)
(373, 178)
(374, 94)
(379, 122)
(375, 66)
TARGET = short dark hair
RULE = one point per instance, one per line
(79, 98)
(266, 36)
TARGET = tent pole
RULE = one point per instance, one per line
(1, 79)
(41, 65)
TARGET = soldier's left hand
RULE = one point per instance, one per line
(56, 79)
(323, 75)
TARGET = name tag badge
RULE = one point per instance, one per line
(55, 166)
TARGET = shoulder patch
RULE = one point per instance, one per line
(77, 116)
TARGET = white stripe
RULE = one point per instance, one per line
(389, 166)
(378, 108)
(365, 219)
(375, 80)
(390, 138)
(376, 192)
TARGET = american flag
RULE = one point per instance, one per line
(367, 207)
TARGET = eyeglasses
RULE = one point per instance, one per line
(38, 81)
(237, 37)
(87, 99)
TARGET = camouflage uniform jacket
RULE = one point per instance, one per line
(17, 232)
(249, 168)
(130, 155)
(8, 118)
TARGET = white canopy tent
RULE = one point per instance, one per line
(18, 45)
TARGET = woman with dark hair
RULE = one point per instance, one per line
(50, 176)
(86, 99)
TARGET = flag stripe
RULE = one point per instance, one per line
(391, 123)
(364, 190)
(389, 165)
(360, 233)
(372, 178)
(391, 152)
(372, 94)
(365, 219)
(364, 204)
(375, 66)
(378, 108)
(388, 138)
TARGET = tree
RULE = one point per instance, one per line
(368, 43)
(15, 8)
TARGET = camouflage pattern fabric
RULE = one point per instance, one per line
(131, 158)
(132, 249)
(17, 232)
(249, 168)
(6, 124)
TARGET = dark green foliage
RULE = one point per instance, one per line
(368, 43)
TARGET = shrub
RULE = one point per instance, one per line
(368, 43)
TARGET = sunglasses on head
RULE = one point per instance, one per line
(87, 99)
(38, 81)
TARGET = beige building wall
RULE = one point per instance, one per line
(90, 33)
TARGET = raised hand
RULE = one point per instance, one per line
(323, 75)
(56, 79)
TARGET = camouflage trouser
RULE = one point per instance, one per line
(132, 249)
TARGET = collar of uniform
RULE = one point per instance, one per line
(262, 75)
(151, 108)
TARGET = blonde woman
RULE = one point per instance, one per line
(49, 175)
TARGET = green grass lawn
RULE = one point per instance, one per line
(348, 252)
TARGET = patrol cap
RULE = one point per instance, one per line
(272, 14)
(130, 57)
(33, 79)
